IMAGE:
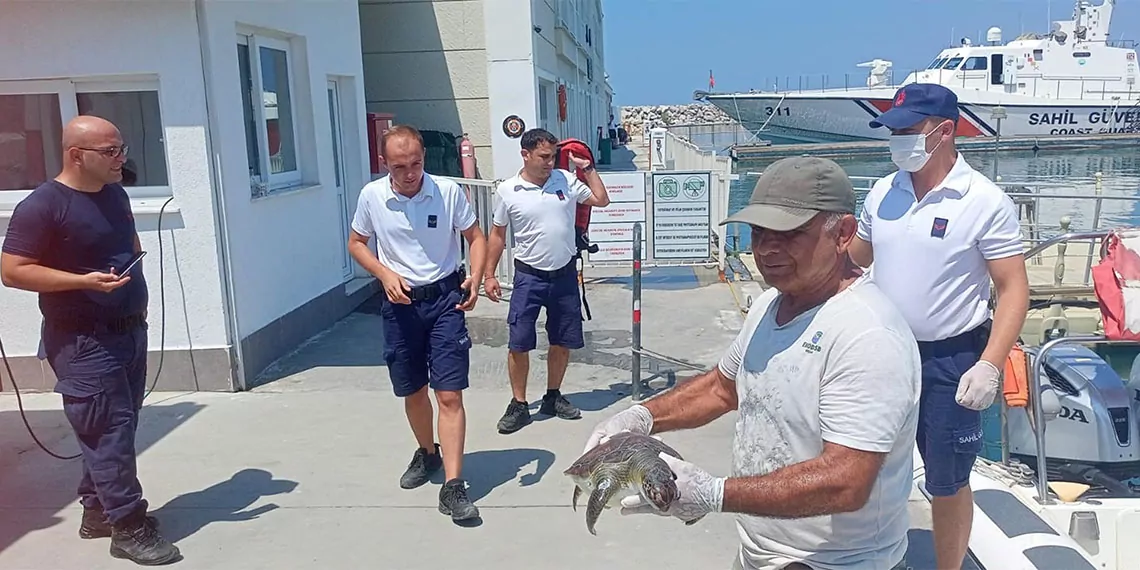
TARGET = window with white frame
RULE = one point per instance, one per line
(267, 80)
(32, 116)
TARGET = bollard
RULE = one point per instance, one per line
(635, 388)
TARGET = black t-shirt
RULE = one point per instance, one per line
(79, 232)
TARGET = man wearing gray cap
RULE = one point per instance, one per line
(825, 374)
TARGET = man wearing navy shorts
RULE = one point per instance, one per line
(938, 232)
(65, 242)
(416, 219)
(539, 204)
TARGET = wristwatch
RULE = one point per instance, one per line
(588, 167)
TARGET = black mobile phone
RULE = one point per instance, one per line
(130, 263)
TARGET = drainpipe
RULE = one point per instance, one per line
(221, 224)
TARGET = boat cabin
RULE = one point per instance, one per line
(1074, 61)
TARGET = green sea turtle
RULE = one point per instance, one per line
(624, 465)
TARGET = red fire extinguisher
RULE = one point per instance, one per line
(467, 157)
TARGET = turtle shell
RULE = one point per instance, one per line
(618, 448)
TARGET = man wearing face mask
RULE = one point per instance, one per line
(938, 232)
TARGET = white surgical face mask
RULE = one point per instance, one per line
(908, 152)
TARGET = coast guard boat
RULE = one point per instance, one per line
(1071, 81)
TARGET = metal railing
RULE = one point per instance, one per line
(481, 194)
(717, 137)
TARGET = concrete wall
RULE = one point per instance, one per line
(162, 46)
(426, 62)
(510, 63)
(287, 248)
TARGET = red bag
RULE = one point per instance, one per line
(582, 214)
(1116, 281)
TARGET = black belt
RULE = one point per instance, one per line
(118, 325)
(439, 288)
(543, 274)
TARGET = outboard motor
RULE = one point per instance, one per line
(1093, 438)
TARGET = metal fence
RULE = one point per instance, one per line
(481, 194)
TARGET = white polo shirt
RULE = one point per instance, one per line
(930, 256)
(418, 237)
(846, 372)
(542, 218)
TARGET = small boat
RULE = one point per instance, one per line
(1071, 81)
(1082, 512)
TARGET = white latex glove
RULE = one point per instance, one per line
(978, 386)
(636, 419)
(698, 493)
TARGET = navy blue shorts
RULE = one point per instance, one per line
(559, 295)
(425, 343)
(949, 436)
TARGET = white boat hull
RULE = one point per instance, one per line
(806, 117)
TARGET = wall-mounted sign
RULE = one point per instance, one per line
(514, 126)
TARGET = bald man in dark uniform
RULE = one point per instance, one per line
(64, 242)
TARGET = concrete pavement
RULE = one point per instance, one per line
(303, 471)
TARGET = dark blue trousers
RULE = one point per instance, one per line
(101, 375)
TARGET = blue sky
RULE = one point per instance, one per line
(659, 51)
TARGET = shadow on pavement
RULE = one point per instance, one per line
(35, 487)
(226, 501)
(487, 470)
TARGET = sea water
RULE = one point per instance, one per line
(1056, 172)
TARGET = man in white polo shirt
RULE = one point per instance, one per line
(938, 231)
(416, 219)
(825, 377)
(539, 205)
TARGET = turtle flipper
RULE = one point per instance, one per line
(606, 488)
(574, 499)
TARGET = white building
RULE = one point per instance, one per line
(260, 186)
(465, 66)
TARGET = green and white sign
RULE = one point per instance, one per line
(682, 207)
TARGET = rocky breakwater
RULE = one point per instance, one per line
(636, 119)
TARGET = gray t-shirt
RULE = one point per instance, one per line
(846, 372)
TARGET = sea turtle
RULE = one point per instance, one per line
(624, 465)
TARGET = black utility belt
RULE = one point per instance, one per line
(544, 274)
(117, 325)
(438, 289)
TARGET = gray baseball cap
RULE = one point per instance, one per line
(792, 190)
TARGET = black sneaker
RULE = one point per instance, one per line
(555, 404)
(96, 525)
(453, 501)
(138, 541)
(421, 468)
(516, 416)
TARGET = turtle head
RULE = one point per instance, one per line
(661, 492)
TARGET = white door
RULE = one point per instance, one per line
(341, 187)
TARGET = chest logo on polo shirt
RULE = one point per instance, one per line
(813, 345)
(561, 196)
(433, 221)
(938, 228)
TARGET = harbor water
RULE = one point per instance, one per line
(1070, 173)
